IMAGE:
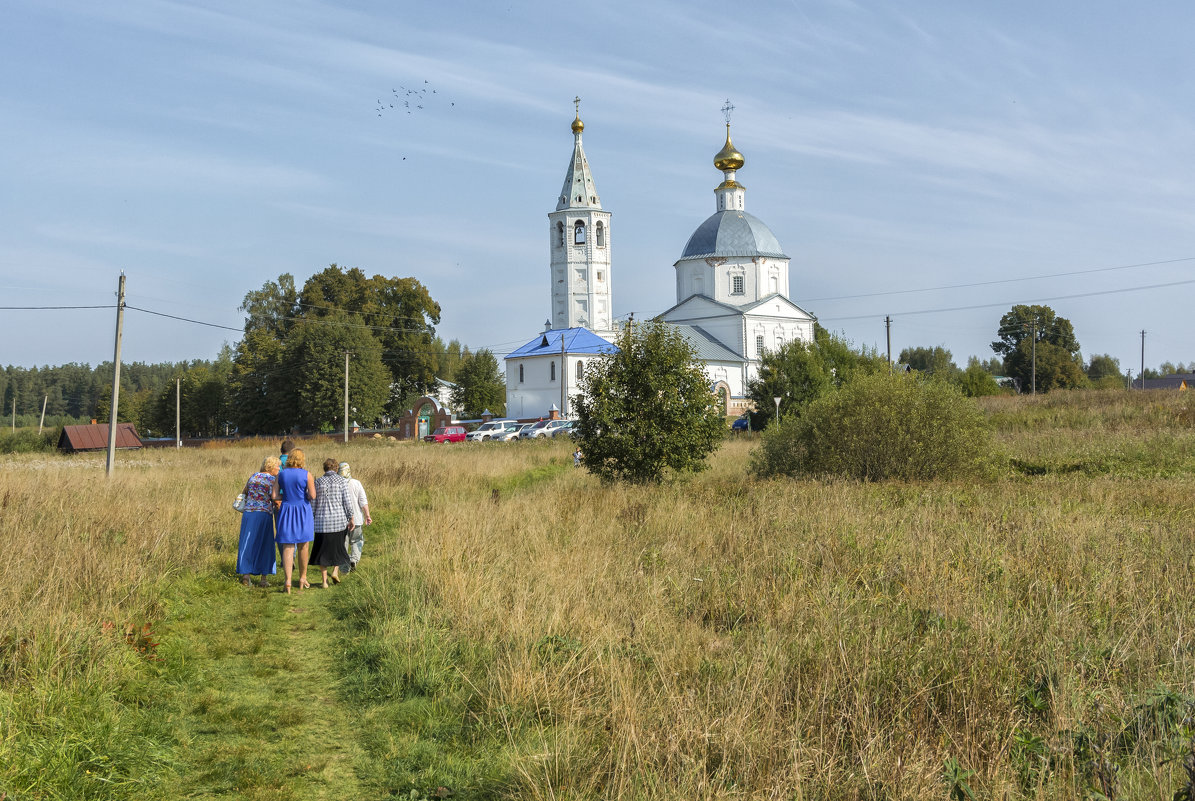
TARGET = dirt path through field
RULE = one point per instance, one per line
(255, 696)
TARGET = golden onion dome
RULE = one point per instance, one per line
(728, 158)
(578, 126)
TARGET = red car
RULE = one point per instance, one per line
(446, 434)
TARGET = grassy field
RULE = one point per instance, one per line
(518, 630)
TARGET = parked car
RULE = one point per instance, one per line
(563, 430)
(512, 434)
(542, 429)
(490, 430)
(446, 434)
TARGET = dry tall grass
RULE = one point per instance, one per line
(717, 638)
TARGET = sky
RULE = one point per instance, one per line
(935, 162)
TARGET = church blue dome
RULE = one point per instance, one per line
(732, 233)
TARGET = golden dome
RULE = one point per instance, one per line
(578, 126)
(728, 158)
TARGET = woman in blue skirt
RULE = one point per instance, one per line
(295, 489)
(255, 551)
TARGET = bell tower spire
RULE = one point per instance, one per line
(579, 230)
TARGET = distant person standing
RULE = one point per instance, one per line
(361, 517)
(255, 549)
(287, 447)
(333, 510)
(293, 492)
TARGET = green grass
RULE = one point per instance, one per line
(1028, 633)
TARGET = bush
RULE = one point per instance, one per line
(880, 427)
(646, 409)
(26, 440)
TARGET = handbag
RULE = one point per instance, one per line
(239, 503)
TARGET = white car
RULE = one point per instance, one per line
(491, 430)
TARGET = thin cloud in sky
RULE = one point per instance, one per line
(208, 146)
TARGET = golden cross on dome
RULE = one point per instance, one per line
(726, 109)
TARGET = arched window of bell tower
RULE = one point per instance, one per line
(578, 233)
(601, 235)
(560, 234)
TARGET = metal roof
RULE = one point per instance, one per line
(732, 233)
(708, 349)
(95, 437)
(576, 340)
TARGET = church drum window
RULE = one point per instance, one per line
(579, 233)
(601, 235)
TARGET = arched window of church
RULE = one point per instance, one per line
(579, 233)
(775, 284)
(580, 370)
(601, 235)
(552, 377)
(737, 285)
(520, 373)
(560, 234)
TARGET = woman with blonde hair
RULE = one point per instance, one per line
(255, 551)
(293, 493)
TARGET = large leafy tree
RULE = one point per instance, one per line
(478, 386)
(315, 352)
(930, 361)
(399, 313)
(798, 372)
(283, 375)
(1059, 364)
(647, 408)
(1103, 371)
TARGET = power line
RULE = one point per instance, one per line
(1000, 281)
(42, 308)
(1007, 303)
(184, 319)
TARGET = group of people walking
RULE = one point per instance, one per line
(322, 519)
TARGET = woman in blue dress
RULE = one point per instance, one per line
(255, 551)
(295, 489)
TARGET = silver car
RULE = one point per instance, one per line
(512, 434)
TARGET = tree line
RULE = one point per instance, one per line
(287, 372)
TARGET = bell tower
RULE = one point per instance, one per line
(579, 236)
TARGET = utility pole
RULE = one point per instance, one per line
(14, 413)
(42, 423)
(563, 379)
(1034, 357)
(178, 412)
(1128, 381)
(116, 376)
(888, 334)
(1142, 358)
(346, 396)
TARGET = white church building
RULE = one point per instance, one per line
(732, 294)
